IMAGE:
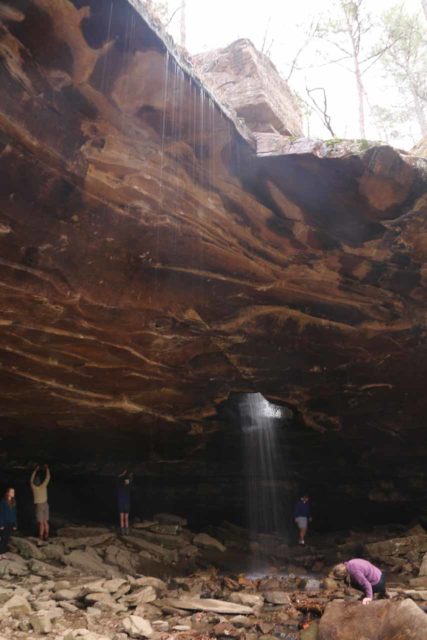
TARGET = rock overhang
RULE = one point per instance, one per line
(153, 262)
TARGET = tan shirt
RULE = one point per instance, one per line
(40, 491)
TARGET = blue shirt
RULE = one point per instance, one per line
(302, 509)
(7, 513)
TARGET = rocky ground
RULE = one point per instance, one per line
(163, 581)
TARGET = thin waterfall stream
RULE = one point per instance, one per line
(264, 464)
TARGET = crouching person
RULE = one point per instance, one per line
(363, 576)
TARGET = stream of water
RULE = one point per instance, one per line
(264, 464)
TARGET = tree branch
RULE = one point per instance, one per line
(321, 110)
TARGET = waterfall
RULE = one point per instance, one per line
(264, 463)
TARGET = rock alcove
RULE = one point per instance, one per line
(165, 247)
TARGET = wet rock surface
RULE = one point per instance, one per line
(275, 594)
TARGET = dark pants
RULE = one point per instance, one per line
(4, 537)
(376, 588)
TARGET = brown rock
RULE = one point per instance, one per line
(277, 597)
(383, 620)
(247, 81)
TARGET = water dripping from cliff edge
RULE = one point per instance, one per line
(264, 462)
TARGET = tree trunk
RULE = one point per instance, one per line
(183, 25)
(355, 45)
(360, 96)
(419, 112)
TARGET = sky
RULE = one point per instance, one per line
(213, 24)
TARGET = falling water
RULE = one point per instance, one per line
(264, 463)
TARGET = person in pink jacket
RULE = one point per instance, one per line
(362, 575)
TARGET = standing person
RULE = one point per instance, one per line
(302, 516)
(123, 497)
(7, 520)
(39, 489)
(363, 576)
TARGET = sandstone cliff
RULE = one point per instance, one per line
(152, 262)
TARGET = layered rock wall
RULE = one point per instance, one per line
(152, 263)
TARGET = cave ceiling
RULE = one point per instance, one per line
(152, 262)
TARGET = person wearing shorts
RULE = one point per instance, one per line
(302, 516)
(39, 488)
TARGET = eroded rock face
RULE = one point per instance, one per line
(152, 263)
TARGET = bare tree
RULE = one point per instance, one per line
(349, 30)
(406, 61)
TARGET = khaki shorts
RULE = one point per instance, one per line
(302, 523)
(42, 512)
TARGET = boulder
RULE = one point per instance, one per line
(382, 620)
(54, 552)
(41, 622)
(329, 584)
(249, 83)
(68, 606)
(137, 627)
(43, 604)
(104, 602)
(241, 621)
(61, 584)
(89, 561)
(277, 597)
(5, 594)
(143, 595)
(44, 569)
(113, 586)
(205, 540)
(312, 584)
(249, 599)
(88, 541)
(14, 566)
(122, 558)
(16, 605)
(27, 548)
(423, 567)
(148, 611)
(149, 581)
(396, 552)
(166, 555)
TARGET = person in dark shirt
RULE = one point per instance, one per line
(302, 516)
(7, 520)
(124, 482)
